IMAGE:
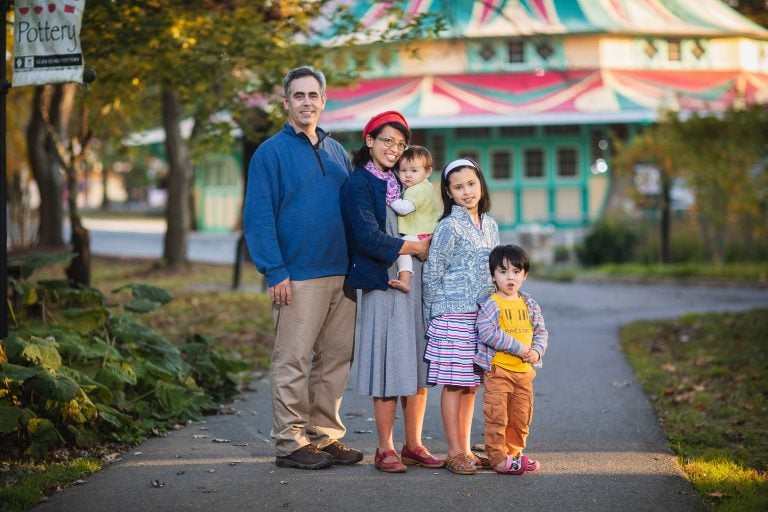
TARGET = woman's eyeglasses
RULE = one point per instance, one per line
(389, 143)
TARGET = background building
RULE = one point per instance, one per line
(534, 90)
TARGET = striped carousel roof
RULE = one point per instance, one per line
(490, 18)
(552, 97)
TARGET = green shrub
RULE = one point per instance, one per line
(78, 369)
(610, 241)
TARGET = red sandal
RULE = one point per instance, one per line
(389, 462)
(421, 457)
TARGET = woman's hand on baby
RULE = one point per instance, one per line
(421, 248)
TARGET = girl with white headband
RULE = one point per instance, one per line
(455, 280)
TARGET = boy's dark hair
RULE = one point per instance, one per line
(414, 153)
(484, 206)
(513, 254)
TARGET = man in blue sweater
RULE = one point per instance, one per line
(295, 234)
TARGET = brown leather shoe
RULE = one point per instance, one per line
(461, 464)
(343, 455)
(306, 457)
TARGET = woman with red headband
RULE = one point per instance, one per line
(390, 357)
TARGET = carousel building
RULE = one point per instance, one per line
(536, 90)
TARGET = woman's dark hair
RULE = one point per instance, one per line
(484, 206)
(363, 155)
(511, 254)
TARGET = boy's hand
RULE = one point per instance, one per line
(532, 356)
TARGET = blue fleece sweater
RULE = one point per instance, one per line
(291, 217)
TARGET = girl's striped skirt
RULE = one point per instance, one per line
(451, 347)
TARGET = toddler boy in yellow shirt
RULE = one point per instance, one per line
(512, 339)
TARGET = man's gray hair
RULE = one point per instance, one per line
(301, 72)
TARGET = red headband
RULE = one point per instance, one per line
(390, 116)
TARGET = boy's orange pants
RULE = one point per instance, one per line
(508, 411)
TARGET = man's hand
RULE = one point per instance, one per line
(281, 292)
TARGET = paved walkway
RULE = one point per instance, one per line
(594, 432)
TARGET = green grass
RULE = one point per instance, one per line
(706, 376)
(738, 273)
(24, 484)
(756, 272)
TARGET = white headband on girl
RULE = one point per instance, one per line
(461, 162)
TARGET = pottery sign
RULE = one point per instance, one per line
(46, 42)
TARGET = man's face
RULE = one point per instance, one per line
(304, 103)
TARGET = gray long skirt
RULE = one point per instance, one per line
(391, 342)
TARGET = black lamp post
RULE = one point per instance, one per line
(4, 86)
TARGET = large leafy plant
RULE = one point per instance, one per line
(79, 368)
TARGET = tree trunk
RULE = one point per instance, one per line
(665, 221)
(106, 203)
(45, 166)
(179, 176)
(79, 269)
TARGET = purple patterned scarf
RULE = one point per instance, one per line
(393, 187)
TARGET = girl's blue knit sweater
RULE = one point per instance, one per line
(456, 276)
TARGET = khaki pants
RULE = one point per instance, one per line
(314, 341)
(508, 411)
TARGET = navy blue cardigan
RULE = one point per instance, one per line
(371, 250)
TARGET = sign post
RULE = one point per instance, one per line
(46, 42)
(46, 50)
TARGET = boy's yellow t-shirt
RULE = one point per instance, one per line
(514, 320)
